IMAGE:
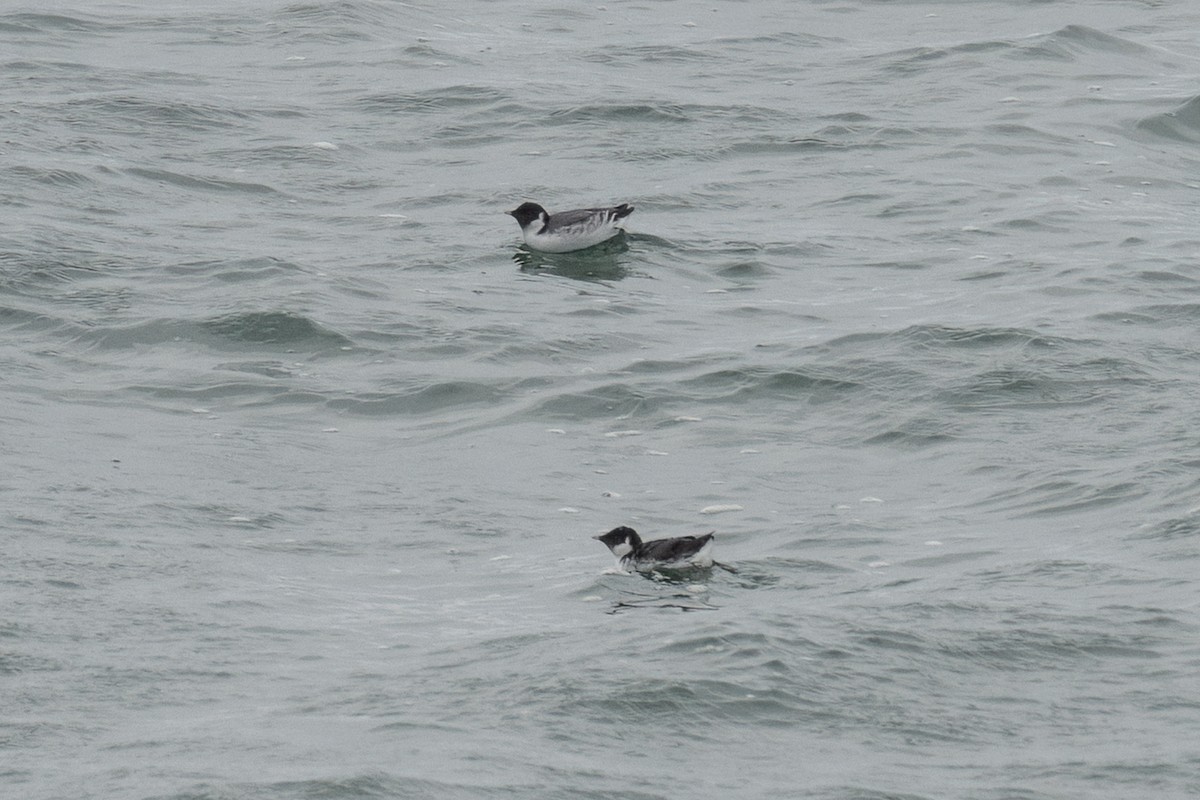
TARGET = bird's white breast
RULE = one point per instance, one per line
(703, 556)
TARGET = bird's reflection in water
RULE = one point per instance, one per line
(676, 594)
(603, 262)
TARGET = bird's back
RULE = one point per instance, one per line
(585, 219)
(684, 548)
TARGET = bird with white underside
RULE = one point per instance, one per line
(568, 231)
(681, 552)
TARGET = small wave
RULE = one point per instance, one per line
(623, 112)
(1010, 387)
(1182, 124)
(603, 402)
(785, 40)
(60, 264)
(1030, 649)
(238, 270)
(47, 175)
(202, 184)
(365, 785)
(432, 100)
(1074, 41)
(920, 59)
(743, 385)
(428, 399)
(424, 53)
(697, 701)
(273, 327)
(334, 22)
(1166, 276)
(1187, 314)
(288, 155)
(917, 434)
(1059, 496)
(657, 393)
(1019, 647)
(1177, 529)
(239, 392)
(26, 22)
(937, 336)
(646, 54)
(120, 112)
(31, 321)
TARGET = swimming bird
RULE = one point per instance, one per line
(568, 230)
(678, 553)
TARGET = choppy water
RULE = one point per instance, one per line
(302, 450)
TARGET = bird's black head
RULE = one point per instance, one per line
(526, 213)
(621, 540)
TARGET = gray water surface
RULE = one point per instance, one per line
(302, 449)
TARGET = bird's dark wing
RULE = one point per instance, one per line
(581, 218)
(587, 218)
(673, 549)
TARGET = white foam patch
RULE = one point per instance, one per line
(721, 509)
